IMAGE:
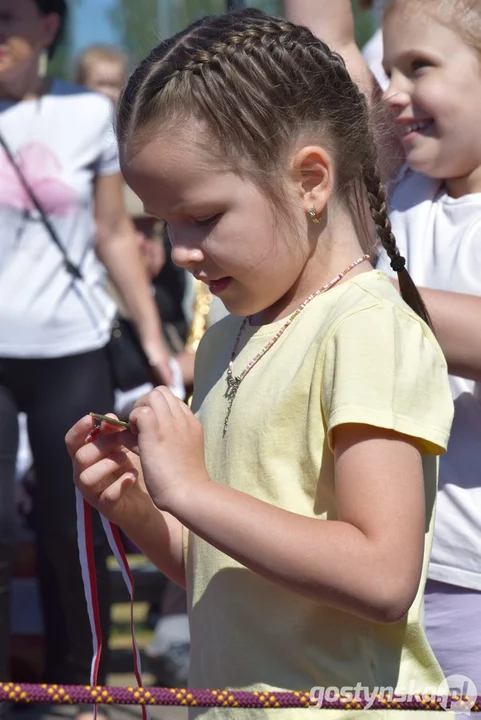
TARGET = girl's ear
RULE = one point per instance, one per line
(312, 170)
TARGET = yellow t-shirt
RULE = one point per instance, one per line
(355, 354)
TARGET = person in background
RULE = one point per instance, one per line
(432, 54)
(373, 49)
(167, 282)
(102, 68)
(60, 195)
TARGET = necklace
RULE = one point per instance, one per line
(234, 381)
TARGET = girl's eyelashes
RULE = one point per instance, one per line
(204, 222)
(412, 67)
(420, 64)
(208, 221)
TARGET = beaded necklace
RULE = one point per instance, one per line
(234, 381)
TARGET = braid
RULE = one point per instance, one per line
(379, 210)
(378, 204)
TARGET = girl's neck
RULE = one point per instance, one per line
(467, 185)
(29, 87)
(318, 271)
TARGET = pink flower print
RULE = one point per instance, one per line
(43, 172)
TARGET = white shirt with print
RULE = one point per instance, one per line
(62, 143)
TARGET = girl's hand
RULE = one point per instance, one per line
(171, 446)
(107, 471)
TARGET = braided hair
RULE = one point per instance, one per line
(258, 84)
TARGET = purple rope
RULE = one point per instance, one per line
(81, 694)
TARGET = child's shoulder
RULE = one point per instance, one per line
(372, 290)
(379, 360)
(371, 306)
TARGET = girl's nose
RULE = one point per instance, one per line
(397, 95)
(186, 256)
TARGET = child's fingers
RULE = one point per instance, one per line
(91, 453)
(105, 445)
(184, 408)
(150, 410)
(174, 404)
(149, 413)
(144, 420)
(126, 439)
(118, 488)
(108, 429)
(96, 478)
(75, 438)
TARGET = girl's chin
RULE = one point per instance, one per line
(420, 163)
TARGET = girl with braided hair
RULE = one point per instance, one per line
(295, 501)
(432, 55)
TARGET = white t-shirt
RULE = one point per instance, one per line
(62, 142)
(373, 54)
(440, 237)
(373, 50)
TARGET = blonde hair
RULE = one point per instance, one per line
(462, 16)
(94, 55)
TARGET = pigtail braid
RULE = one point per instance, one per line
(379, 211)
(376, 194)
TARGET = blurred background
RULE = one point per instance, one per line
(136, 25)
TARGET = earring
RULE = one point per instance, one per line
(43, 63)
(314, 216)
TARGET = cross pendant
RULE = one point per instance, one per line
(233, 383)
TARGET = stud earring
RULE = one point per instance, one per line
(314, 216)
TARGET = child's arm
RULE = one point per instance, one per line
(368, 562)
(119, 250)
(332, 21)
(109, 476)
(456, 323)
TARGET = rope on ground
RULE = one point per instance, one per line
(82, 694)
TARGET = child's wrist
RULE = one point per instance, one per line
(178, 500)
(140, 516)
